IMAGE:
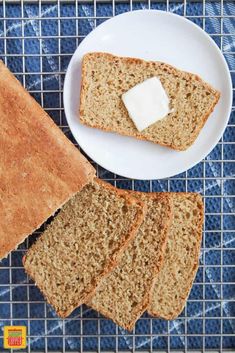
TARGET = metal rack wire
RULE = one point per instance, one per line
(37, 40)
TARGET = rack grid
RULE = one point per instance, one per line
(37, 40)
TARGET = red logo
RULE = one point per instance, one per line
(14, 341)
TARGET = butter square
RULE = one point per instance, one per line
(146, 103)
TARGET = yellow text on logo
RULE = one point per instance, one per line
(14, 337)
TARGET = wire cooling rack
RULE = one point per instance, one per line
(37, 40)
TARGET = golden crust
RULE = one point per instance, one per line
(40, 169)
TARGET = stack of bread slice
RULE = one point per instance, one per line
(120, 252)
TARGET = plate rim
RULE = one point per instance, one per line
(228, 80)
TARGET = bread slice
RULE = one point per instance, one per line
(174, 281)
(82, 244)
(40, 169)
(106, 77)
(125, 293)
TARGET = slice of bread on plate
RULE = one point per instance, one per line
(174, 281)
(125, 293)
(106, 77)
(40, 169)
(82, 244)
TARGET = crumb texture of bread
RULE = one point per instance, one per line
(82, 244)
(106, 77)
(174, 281)
(125, 293)
(40, 169)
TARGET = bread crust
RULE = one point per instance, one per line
(113, 261)
(146, 300)
(192, 274)
(40, 169)
(138, 135)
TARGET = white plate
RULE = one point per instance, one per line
(151, 35)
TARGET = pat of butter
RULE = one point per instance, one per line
(146, 103)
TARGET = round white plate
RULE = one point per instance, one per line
(150, 35)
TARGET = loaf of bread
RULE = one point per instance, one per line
(106, 77)
(40, 169)
(125, 293)
(174, 281)
(82, 244)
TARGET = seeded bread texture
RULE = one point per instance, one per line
(125, 293)
(82, 244)
(106, 77)
(174, 281)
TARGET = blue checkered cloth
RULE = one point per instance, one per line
(207, 320)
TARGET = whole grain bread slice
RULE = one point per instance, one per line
(40, 169)
(125, 293)
(173, 283)
(82, 244)
(106, 77)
